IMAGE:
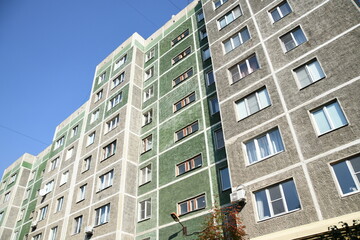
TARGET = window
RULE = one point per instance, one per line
(27, 194)
(59, 142)
(15, 235)
(203, 34)
(1, 216)
(236, 40)
(32, 175)
(214, 105)
(12, 178)
(329, 117)
(69, 153)
(183, 77)
(206, 53)
(280, 11)
(264, 146)
(309, 73)
(53, 232)
(200, 16)
(99, 95)
(74, 131)
(86, 164)
(59, 204)
(102, 214)
(147, 117)
(120, 62)
(149, 73)
(144, 209)
(210, 78)
(43, 212)
(252, 103)
(180, 37)
(225, 179)
(145, 174)
(192, 205)
(109, 150)
(229, 17)
(181, 56)
(81, 193)
(102, 77)
(244, 68)
(95, 115)
(218, 3)
(37, 237)
(106, 180)
(119, 79)
(187, 131)
(21, 214)
(277, 199)
(219, 139)
(110, 125)
(184, 102)
(293, 39)
(147, 143)
(115, 101)
(150, 54)
(64, 178)
(348, 175)
(148, 93)
(77, 224)
(189, 165)
(49, 186)
(90, 139)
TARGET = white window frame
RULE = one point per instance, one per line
(149, 55)
(59, 204)
(351, 172)
(248, 67)
(149, 73)
(328, 117)
(64, 177)
(223, 187)
(309, 74)
(109, 150)
(53, 233)
(214, 101)
(189, 164)
(99, 95)
(148, 93)
(74, 131)
(106, 180)
(118, 80)
(147, 117)
(182, 36)
(231, 40)
(43, 212)
(78, 224)
(203, 34)
(90, 139)
(147, 143)
(113, 123)
(37, 237)
(208, 83)
(221, 144)
(59, 142)
(184, 102)
(291, 34)
(120, 62)
(183, 77)
(49, 186)
(81, 193)
(225, 17)
(181, 56)
(114, 101)
(12, 178)
(95, 115)
(86, 164)
(144, 207)
(191, 204)
(219, 1)
(145, 175)
(69, 153)
(278, 9)
(245, 100)
(206, 54)
(186, 131)
(102, 77)
(102, 214)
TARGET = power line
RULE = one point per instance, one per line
(22, 134)
(143, 15)
(174, 5)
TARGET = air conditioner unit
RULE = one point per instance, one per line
(89, 229)
(238, 196)
(42, 192)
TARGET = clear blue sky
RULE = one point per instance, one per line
(48, 53)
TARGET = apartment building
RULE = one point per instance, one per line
(253, 99)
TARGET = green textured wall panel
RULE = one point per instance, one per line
(184, 151)
(171, 195)
(151, 235)
(26, 165)
(151, 222)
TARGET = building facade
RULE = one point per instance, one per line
(251, 97)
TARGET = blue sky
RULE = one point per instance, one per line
(48, 53)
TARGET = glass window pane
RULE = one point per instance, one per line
(227, 46)
(253, 64)
(276, 141)
(235, 73)
(225, 178)
(198, 161)
(315, 71)
(201, 203)
(278, 206)
(244, 71)
(355, 163)
(263, 146)
(262, 205)
(275, 193)
(337, 116)
(181, 168)
(303, 77)
(321, 121)
(299, 36)
(222, 23)
(245, 35)
(229, 18)
(291, 196)
(237, 12)
(285, 9)
(264, 98)
(236, 41)
(241, 108)
(275, 15)
(344, 178)
(252, 104)
(251, 151)
(288, 42)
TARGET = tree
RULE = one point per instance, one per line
(223, 224)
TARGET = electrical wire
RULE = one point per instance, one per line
(22, 134)
(143, 15)
(174, 5)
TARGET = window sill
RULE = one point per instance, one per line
(238, 80)
(229, 23)
(107, 157)
(293, 47)
(267, 157)
(310, 84)
(146, 124)
(332, 130)
(101, 224)
(178, 140)
(193, 169)
(279, 215)
(241, 119)
(143, 220)
(349, 194)
(180, 215)
(103, 189)
(81, 200)
(146, 151)
(142, 184)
